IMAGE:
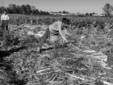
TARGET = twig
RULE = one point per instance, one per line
(92, 78)
(43, 70)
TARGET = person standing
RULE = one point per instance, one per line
(4, 25)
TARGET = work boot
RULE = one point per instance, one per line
(39, 50)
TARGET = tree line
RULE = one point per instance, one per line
(31, 10)
(23, 9)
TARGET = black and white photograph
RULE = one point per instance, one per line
(56, 42)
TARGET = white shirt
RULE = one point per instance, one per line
(4, 17)
(55, 28)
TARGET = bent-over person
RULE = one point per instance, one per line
(54, 32)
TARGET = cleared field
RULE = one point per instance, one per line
(88, 60)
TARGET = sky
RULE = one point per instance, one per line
(73, 6)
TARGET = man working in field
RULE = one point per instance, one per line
(4, 24)
(54, 32)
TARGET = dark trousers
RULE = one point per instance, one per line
(5, 30)
(4, 25)
(44, 38)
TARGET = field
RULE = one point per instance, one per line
(87, 60)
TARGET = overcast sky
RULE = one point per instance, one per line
(73, 6)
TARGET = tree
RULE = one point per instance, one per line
(2, 9)
(107, 10)
(13, 8)
(28, 9)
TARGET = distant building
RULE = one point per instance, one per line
(60, 13)
(97, 14)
